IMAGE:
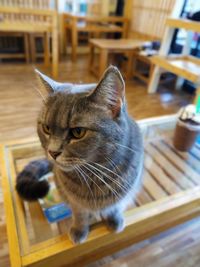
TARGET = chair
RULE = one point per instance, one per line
(26, 17)
(147, 23)
(184, 65)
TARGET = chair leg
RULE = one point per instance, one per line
(32, 47)
(55, 52)
(46, 50)
(74, 40)
(26, 48)
(154, 80)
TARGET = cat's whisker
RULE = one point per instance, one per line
(101, 179)
(76, 170)
(106, 169)
(109, 160)
(127, 147)
(88, 186)
(123, 180)
(93, 180)
(122, 187)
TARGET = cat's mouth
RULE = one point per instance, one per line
(69, 164)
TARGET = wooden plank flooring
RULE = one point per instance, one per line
(19, 105)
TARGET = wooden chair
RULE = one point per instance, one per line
(26, 18)
(147, 22)
(185, 66)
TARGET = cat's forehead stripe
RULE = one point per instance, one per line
(59, 111)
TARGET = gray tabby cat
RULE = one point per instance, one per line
(94, 148)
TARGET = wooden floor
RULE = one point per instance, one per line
(19, 105)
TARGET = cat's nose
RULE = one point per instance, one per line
(54, 154)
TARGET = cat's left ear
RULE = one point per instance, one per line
(46, 84)
(49, 86)
(110, 92)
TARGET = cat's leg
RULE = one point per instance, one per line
(80, 226)
(114, 219)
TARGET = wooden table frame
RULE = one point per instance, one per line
(141, 222)
(28, 20)
(93, 24)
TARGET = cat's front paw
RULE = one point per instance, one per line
(115, 223)
(78, 236)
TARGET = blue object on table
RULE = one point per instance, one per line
(57, 213)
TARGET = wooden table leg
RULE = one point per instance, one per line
(46, 50)
(55, 49)
(91, 57)
(74, 39)
(129, 68)
(103, 61)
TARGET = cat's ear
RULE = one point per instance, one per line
(46, 84)
(110, 91)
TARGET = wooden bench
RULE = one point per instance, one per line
(170, 195)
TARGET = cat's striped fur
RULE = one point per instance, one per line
(99, 172)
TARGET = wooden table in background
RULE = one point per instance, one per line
(105, 46)
(74, 24)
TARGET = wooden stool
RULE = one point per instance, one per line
(105, 47)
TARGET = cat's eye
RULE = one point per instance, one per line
(46, 129)
(78, 132)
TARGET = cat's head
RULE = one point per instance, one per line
(81, 123)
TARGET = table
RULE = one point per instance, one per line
(73, 24)
(105, 46)
(170, 195)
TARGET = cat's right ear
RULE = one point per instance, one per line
(47, 85)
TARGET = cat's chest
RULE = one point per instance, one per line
(84, 194)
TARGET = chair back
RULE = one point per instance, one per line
(148, 18)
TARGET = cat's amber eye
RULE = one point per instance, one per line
(46, 129)
(78, 132)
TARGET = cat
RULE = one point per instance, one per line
(93, 147)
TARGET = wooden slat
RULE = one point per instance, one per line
(22, 27)
(195, 152)
(184, 67)
(187, 157)
(143, 197)
(21, 10)
(152, 187)
(178, 162)
(178, 177)
(157, 172)
(184, 24)
(41, 227)
(13, 239)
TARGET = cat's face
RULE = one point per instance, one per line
(80, 124)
